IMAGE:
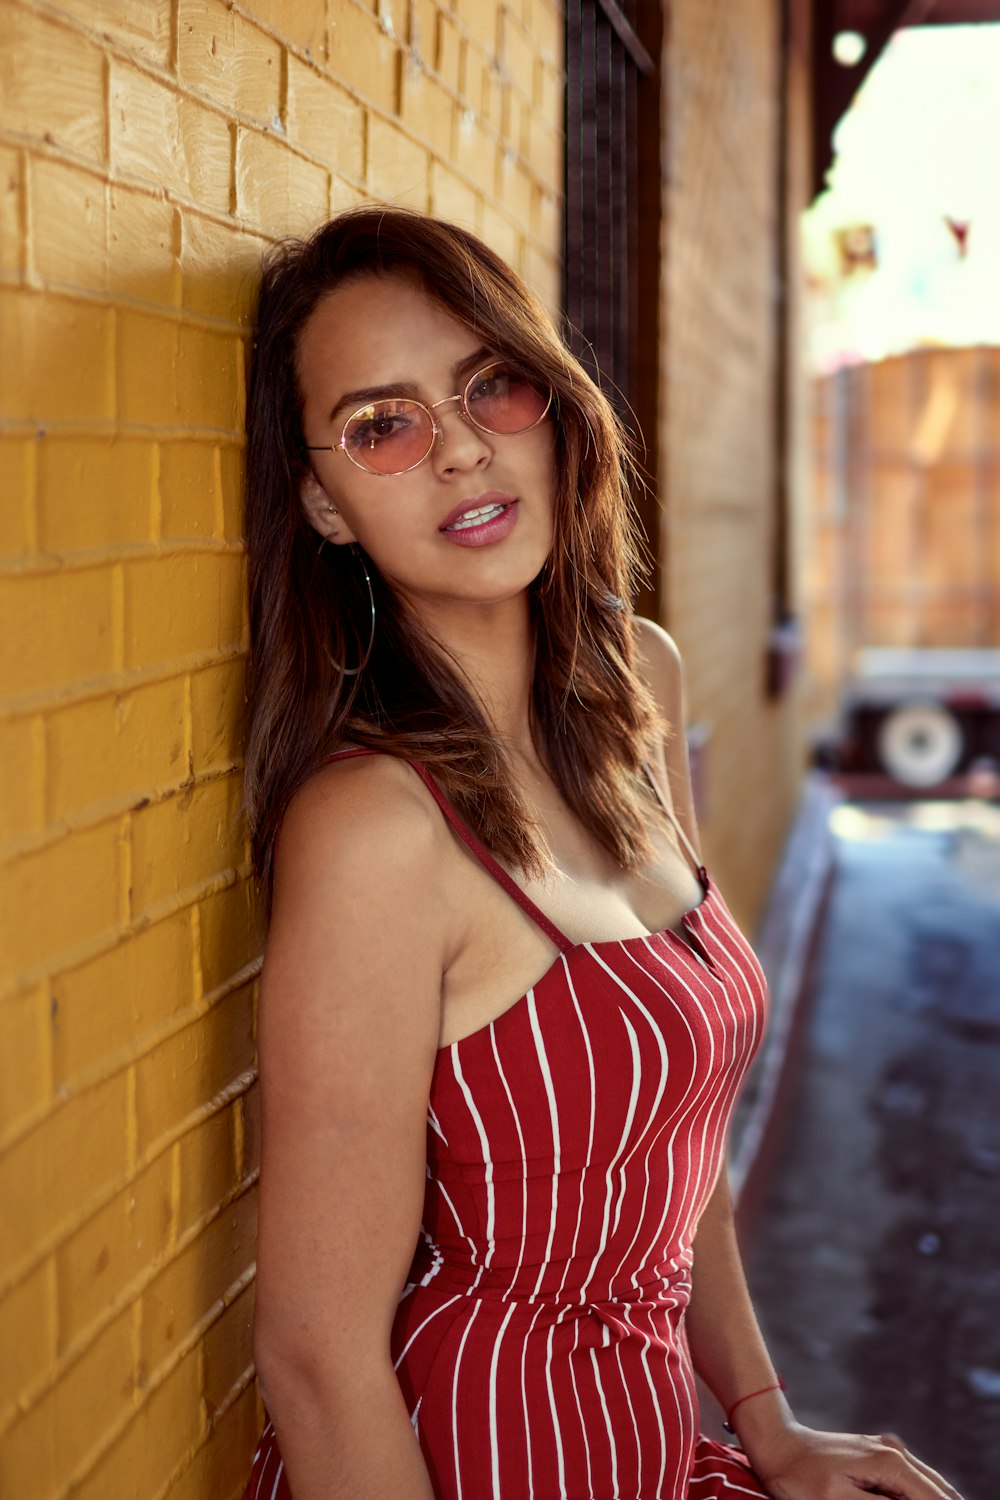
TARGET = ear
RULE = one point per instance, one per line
(321, 513)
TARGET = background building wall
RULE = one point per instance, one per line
(149, 151)
(907, 511)
(719, 459)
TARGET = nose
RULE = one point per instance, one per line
(460, 445)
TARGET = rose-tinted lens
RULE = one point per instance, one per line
(503, 400)
(388, 437)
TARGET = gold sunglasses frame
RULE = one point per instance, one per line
(437, 431)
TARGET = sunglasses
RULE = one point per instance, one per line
(394, 435)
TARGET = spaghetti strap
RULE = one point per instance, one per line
(700, 869)
(479, 849)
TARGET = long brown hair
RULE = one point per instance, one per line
(310, 613)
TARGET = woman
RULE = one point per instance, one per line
(477, 1271)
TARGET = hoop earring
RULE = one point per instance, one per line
(354, 671)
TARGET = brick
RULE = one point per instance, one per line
(231, 484)
(108, 1253)
(175, 1080)
(480, 21)
(362, 57)
(392, 16)
(48, 1179)
(12, 244)
(228, 1350)
(276, 189)
(344, 195)
(145, 127)
(548, 31)
(118, 998)
(55, 898)
(190, 602)
(75, 608)
(217, 715)
(207, 1168)
(475, 152)
(185, 840)
(57, 360)
(189, 486)
(100, 1384)
(427, 110)
(116, 748)
(250, 1106)
(207, 140)
(500, 234)
(516, 52)
(325, 121)
(222, 1455)
(141, 26)
(549, 96)
(22, 756)
(230, 938)
(25, 1073)
(543, 273)
(422, 33)
(546, 217)
(167, 140)
(219, 264)
(544, 152)
(514, 122)
(146, 364)
(69, 224)
(228, 60)
(27, 1334)
(17, 486)
(207, 377)
(481, 90)
(142, 254)
(397, 167)
(302, 22)
(185, 1291)
(448, 55)
(453, 199)
(51, 84)
(94, 492)
(164, 1430)
(515, 190)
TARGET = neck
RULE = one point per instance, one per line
(493, 648)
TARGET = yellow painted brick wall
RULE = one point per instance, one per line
(717, 442)
(149, 150)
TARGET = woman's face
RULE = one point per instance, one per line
(387, 333)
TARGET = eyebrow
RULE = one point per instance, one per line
(407, 388)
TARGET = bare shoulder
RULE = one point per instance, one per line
(660, 667)
(369, 816)
(363, 860)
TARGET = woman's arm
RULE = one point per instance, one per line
(728, 1351)
(727, 1347)
(348, 1029)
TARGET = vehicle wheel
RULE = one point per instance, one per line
(920, 744)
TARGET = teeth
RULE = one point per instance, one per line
(475, 517)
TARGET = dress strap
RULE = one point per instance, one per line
(465, 833)
(699, 867)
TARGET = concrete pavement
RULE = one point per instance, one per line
(875, 1259)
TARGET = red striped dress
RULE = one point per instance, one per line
(571, 1145)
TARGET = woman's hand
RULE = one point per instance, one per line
(803, 1464)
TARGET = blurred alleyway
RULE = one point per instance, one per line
(876, 1262)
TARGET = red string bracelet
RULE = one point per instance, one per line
(779, 1385)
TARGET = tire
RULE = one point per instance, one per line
(920, 744)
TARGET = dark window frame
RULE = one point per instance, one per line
(611, 246)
